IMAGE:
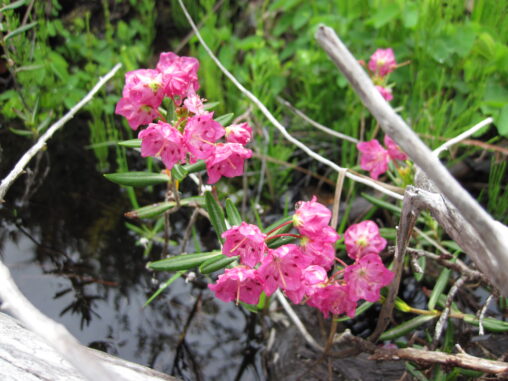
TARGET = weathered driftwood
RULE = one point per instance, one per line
(25, 356)
(481, 237)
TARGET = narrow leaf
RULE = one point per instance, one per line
(196, 167)
(137, 179)
(439, 287)
(360, 310)
(225, 119)
(381, 203)
(20, 30)
(21, 132)
(278, 242)
(216, 215)
(132, 143)
(406, 327)
(179, 172)
(182, 262)
(233, 214)
(489, 323)
(157, 209)
(215, 264)
(13, 5)
(163, 287)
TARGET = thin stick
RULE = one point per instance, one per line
(482, 315)
(462, 136)
(491, 231)
(54, 334)
(297, 322)
(446, 312)
(21, 164)
(276, 123)
(336, 200)
(319, 126)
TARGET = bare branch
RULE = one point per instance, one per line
(319, 126)
(297, 322)
(21, 164)
(489, 231)
(462, 360)
(277, 124)
(462, 136)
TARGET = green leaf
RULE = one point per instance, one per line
(13, 5)
(381, 203)
(216, 215)
(182, 262)
(21, 132)
(233, 214)
(157, 209)
(406, 327)
(209, 105)
(196, 167)
(132, 143)
(410, 15)
(137, 179)
(225, 119)
(19, 30)
(163, 287)
(360, 310)
(179, 172)
(489, 324)
(502, 121)
(439, 287)
(278, 242)
(384, 15)
(216, 263)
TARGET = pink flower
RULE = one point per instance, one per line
(373, 158)
(228, 161)
(164, 141)
(363, 239)
(366, 278)
(194, 103)
(201, 133)
(321, 248)
(312, 278)
(144, 86)
(311, 217)
(382, 62)
(247, 241)
(282, 268)
(239, 284)
(386, 92)
(333, 298)
(239, 133)
(179, 74)
(136, 114)
(394, 150)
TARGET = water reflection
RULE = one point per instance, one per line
(70, 253)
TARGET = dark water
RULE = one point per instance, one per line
(64, 238)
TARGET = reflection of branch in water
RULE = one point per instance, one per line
(249, 351)
(182, 348)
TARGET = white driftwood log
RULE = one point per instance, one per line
(25, 356)
(469, 221)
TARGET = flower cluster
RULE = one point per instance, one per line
(301, 270)
(375, 158)
(381, 64)
(195, 134)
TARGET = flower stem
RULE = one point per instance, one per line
(279, 227)
(283, 235)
